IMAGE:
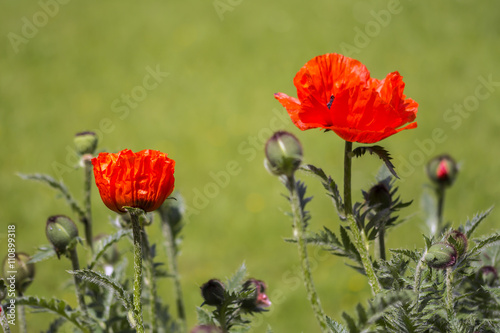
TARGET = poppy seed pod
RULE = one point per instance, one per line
(283, 154)
(85, 142)
(459, 241)
(442, 170)
(24, 272)
(61, 232)
(213, 292)
(441, 255)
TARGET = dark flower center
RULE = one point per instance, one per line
(329, 104)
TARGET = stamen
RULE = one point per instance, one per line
(329, 105)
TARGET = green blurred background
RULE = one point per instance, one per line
(224, 60)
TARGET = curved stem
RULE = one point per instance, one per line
(137, 235)
(172, 267)
(359, 237)
(78, 283)
(87, 202)
(299, 227)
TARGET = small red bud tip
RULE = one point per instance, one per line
(442, 171)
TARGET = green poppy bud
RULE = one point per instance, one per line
(488, 274)
(85, 142)
(206, 329)
(459, 241)
(61, 232)
(283, 154)
(442, 170)
(213, 292)
(17, 271)
(441, 255)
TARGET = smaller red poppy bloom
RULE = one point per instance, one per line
(141, 180)
(336, 93)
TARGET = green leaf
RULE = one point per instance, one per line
(335, 326)
(234, 282)
(58, 186)
(107, 282)
(44, 252)
(59, 307)
(485, 242)
(205, 317)
(380, 152)
(105, 244)
(470, 226)
(413, 255)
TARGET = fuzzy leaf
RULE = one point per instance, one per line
(470, 226)
(105, 244)
(334, 326)
(204, 316)
(413, 255)
(44, 252)
(485, 242)
(59, 307)
(58, 186)
(107, 282)
(234, 282)
(380, 152)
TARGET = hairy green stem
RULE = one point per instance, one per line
(22, 320)
(169, 243)
(359, 237)
(418, 277)
(449, 292)
(137, 235)
(440, 191)
(87, 202)
(380, 243)
(150, 281)
(3, 321)
(299, 228)
(73, 256)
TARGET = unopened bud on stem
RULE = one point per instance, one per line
(442, 170)
(61, 232)
(283, 154)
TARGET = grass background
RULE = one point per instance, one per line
(216, 105)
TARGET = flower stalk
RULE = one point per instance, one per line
(299, 226)
(88, 170)
(73, 256)
(151, 281)
(169, 243)
(137, 237)
(359, 237)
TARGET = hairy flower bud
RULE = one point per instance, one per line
(206, 329)
(379, 197)
(24, 272)
(258, 300)
(442, 170)
(60, 231)
(441, 255)
(459, 241)
(488, 274)
(213, 292)
(283, 154)
(85, 142)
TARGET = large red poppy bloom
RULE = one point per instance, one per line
(336, 93)
(141, 180)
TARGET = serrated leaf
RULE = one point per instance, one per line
(350, 323)
(59, 307)
(44, 252)
(381, 152)
(236, 280)
(58, 186)
(102, 246)
(470, 226)
(107, 282)
(413, 255)
(485, 242)
(335, 326)
(204, 316)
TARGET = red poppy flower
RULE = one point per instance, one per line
(336, 93)
(141, 180)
